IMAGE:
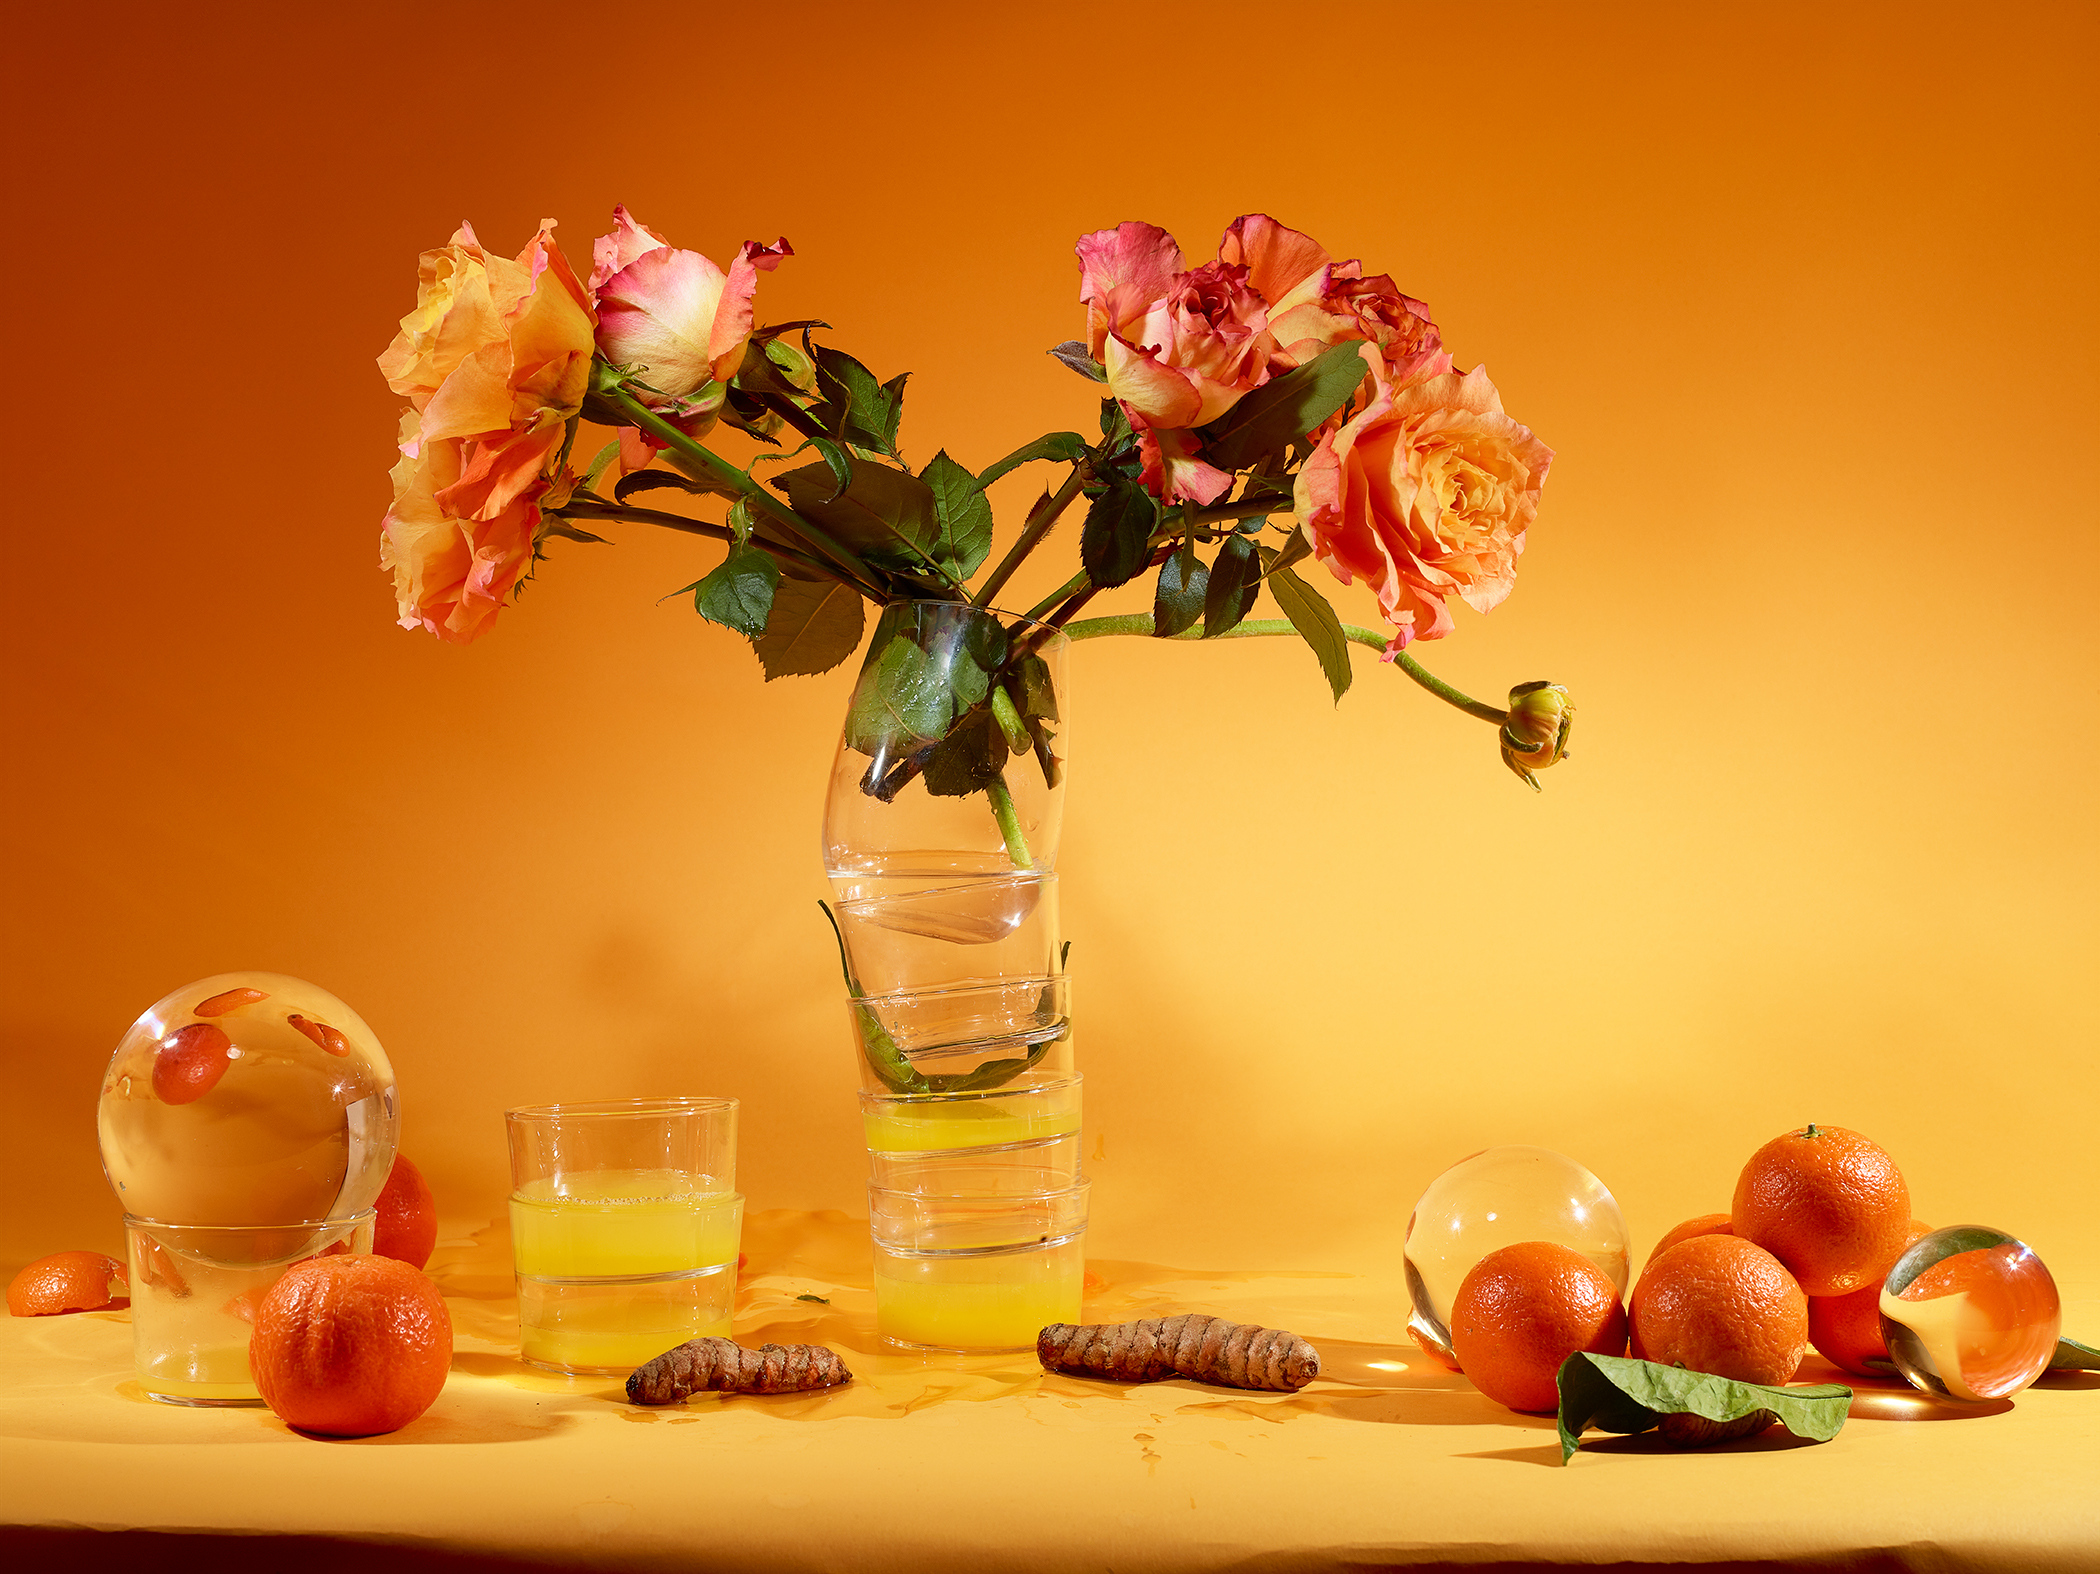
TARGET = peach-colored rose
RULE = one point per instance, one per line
(1425, 493)
(452, 570)
(1316, 303)
(494, 361)
(674, 317)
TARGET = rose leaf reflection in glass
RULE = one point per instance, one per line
(248, 1098)
(1497, 1198)
(1970, 1314)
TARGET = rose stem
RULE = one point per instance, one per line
(1031, 536)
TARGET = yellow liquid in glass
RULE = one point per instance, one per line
(617, 1266)
(220, 1373)
(903, 1126)
(993, 1301)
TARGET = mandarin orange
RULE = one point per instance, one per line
(1704, 1224)
(1522, 1311)
(406, 1229)
(351, 1346)
(1716, 1303)
(69, 1282)
(1826, 1202)
(1846, 1329)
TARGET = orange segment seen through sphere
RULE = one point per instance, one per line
(189, 1063)
(1846, 1329)
(1704, 1224)
(351, 1346)
(1828, 1203)
(68, 1282)
(2010, 1318)
(1523, 1310)
(1718, 1304)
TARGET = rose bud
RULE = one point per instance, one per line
(1536, 732)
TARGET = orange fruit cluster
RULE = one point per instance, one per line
(1819, 1217)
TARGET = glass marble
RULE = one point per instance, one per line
(1970, 1314)
(1497, 1198)
(248, 1099)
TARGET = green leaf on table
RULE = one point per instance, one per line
(969, 759)
(962, 514)
(815, 624)
(1615, 1393)
(1062, 446)
(1235, 580)
(1314, 619)
(1116, 541)
(1267, 420)
(738, 592)
(1178, 599)
(902, 702)
(885, 517)
(865, 412)
(2071, 1356)
(1074, 354)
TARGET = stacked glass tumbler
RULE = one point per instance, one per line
(940, 839)
(247, 1123)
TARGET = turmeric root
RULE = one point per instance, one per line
(726, 1367)
(1208, 1349)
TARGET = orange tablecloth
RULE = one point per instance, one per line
(988, 1463)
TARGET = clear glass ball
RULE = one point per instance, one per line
(1496, 1198)
(248, 1098)
(1970, 1314)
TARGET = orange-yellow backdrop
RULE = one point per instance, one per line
(1803, 296)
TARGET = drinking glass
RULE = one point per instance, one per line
(981, 1272)
(625, 1223)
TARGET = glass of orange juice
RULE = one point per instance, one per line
(625, 1223)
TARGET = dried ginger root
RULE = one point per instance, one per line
(726, 1367)
(1208, 1349)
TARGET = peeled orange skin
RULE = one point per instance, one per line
(1826, 1202)
(1846, 1329)
(1523, 1310)
(1718, 1304)
(351, 1346)
(1704, 1224)
(406, 1228)
(68, 1282)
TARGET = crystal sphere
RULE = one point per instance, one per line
(1497, 1198)
(1970, 1313)
(248, 1098)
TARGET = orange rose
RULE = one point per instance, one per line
(1425, 493)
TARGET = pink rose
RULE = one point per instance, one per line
(1316, 303)
(674, 317)
(1423, 494)
(494, 361)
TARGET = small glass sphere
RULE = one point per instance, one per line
(248, 1098)
(1970, 1313)
(1497, 1198)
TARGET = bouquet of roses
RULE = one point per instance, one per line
(1258, 409)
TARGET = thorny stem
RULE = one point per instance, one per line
(1009, 818)
(585, 508)
(1031, 535)
(1261, 628)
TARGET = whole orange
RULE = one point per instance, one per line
(1522, 1311)
(1716, 1303)
(1846, 1329)
(1704, 1224)
(68, 1282)
(1826, 1202)
(351, 1346)
(406, 1229)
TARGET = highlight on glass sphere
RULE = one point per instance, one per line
(1970, 1314)
(248, 1098)
(1501, 1197)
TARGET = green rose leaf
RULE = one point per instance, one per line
(886, 517)
(962, 515)
(902, 702)
(1615, 1393)
(1055, 445)
(863, 412)
(1235, 580)
(2071, 1356)
(738, 593)
(1034, 697)
(1116, 541)
(1267, 420)
(1314, 619)
(1178, 600)
(969, 759)
(814, 625)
